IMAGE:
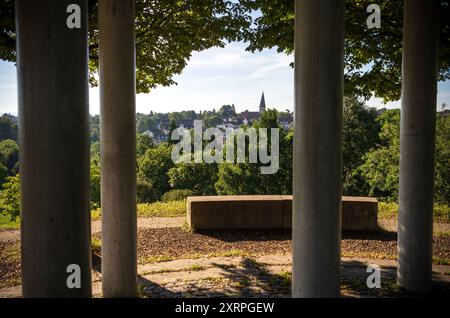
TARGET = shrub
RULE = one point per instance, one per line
(145, 193)
(10, 197)
(177, 195)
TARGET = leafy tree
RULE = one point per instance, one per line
(3, 173)
(143, 142)
(95, 149)
(167, 32)
(197, 177)
(239, 178)
(360, 134)
(153, 167)
(442, 160)
(173, 126)
(380, 169)
(227, 111)
(211, 119)
(372, 56)
(9, 154)
(177, 195)
(10, 197)
(8, 129)
(145, 193)
(246, 178)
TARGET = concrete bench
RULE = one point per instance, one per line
(269, 212)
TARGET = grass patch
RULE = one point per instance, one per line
(96, 214)
(6, 223)
(389, 210)
(196, 268)
(192, 268)
(441, 260)
(156, 209)
(283, 279)
(373, 255)
(156, 259)
(96, 245)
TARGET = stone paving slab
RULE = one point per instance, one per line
(264, 276)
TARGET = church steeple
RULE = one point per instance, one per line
(262, 104)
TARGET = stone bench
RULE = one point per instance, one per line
(269, 212)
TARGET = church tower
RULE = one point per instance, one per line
(262, 104)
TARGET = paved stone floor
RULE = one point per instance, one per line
(237, 276)
(264, 276)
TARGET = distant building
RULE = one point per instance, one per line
(262, 104)
(246, 116)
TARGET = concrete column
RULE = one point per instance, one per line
(418, 117)
(319, 46)
(52, 67)
(118, 147)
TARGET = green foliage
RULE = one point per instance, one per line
(6, 223)
(177, 195)
(145, 193)
(372, 57)
(95, 182)
(10, 198)
(380, 169)
(442, 160)
(211, 119)
(94, 122)
(8, 128)
(155, 209)
(153, 167)
(3, 173)
(227, 111)
(246, 178)
(95, 149)
(162, 209)
(173, 126)
(198, 177)
(9, 154)
(389, 210)
(359, 134)
(167, 32)
(143, 143)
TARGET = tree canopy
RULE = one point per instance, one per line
(372, 57)
(167, 32)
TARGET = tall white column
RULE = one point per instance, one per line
(52, 73)
(319, 46)
(118, 147)
(417, 135)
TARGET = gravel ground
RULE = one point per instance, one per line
(159, 244)
(154, 223)
(177, 243)
(96, 226)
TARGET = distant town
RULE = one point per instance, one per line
(159, 125)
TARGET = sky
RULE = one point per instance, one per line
(212, 78)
